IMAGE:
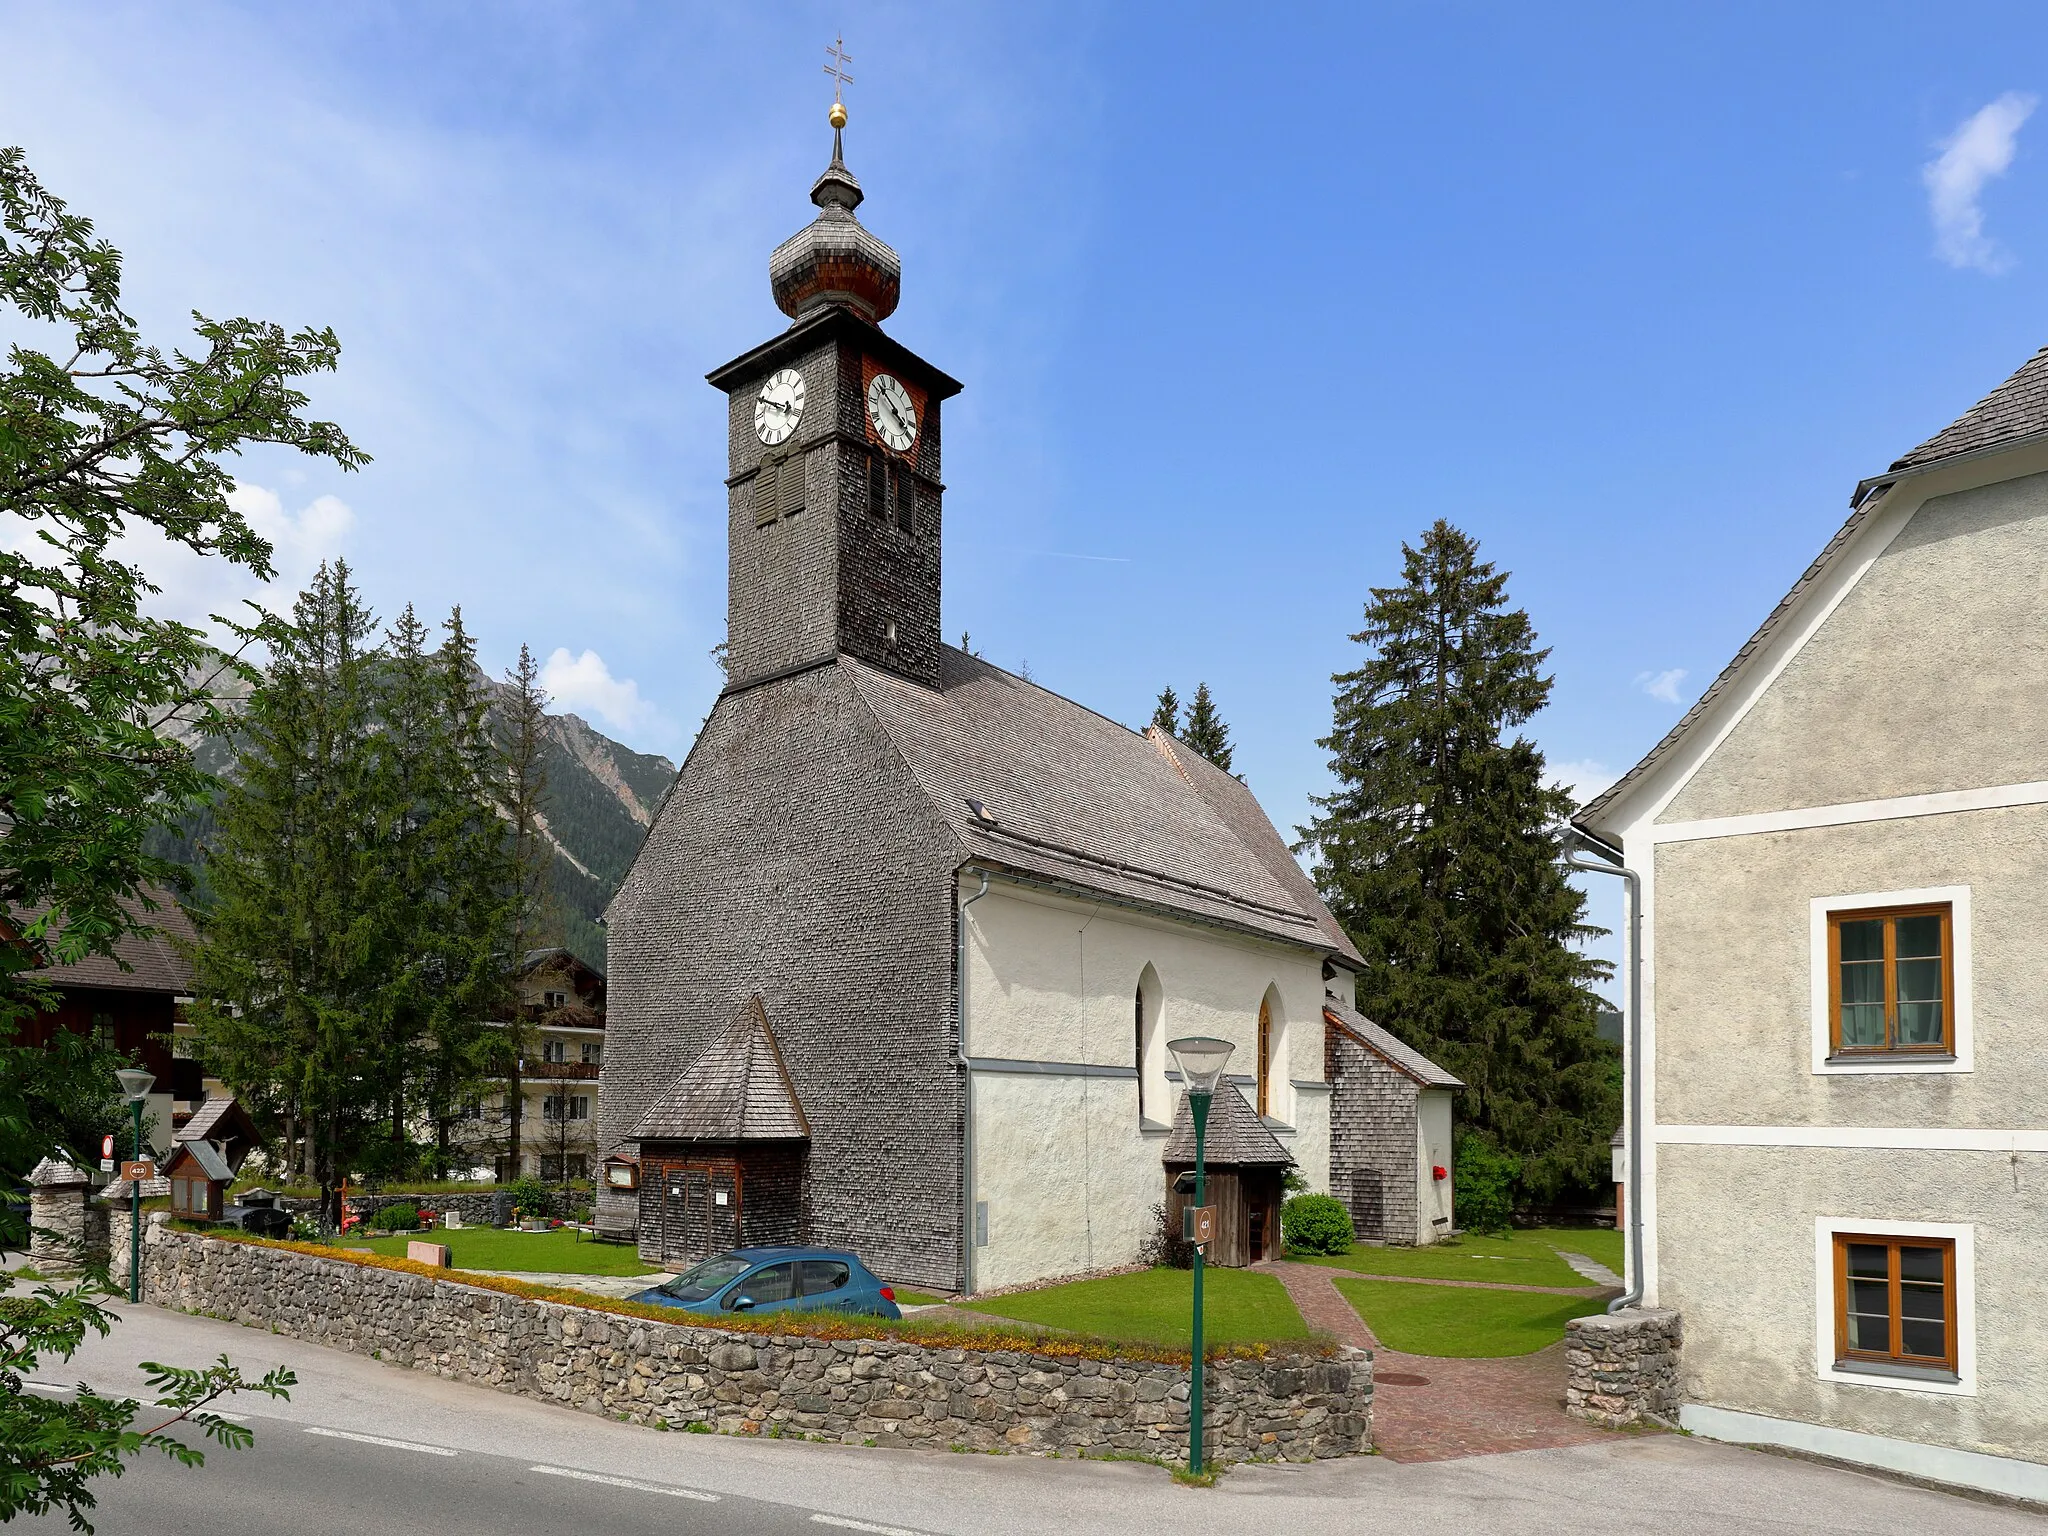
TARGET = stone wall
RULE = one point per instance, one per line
(67, 1230)
(476, 1210)
(853, 1390)
(1622, 1368)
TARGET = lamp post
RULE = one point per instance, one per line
(135, 1086)
(1201, 1060)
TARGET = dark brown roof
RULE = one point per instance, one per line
(738, 1090)
(1235, 1137)
(1034, 783)
(154, 960)
(1395, 1052)
(2018, 408)
(204, 1153)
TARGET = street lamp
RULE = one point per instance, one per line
(1201, 1060)
(135, 1086)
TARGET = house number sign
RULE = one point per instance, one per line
(1198, 1224)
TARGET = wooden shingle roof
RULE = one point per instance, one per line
(738, 1090)
(1032, 782)
(1235, 1137)
(1384, 1044)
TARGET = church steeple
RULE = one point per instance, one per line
(834, 259)
(833, 529)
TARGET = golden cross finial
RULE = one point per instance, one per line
(837, 68)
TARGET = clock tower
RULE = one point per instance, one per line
(834, 492)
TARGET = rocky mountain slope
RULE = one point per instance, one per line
(602, 797)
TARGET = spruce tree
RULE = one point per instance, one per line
(1205, 730)
(1439, 852)
(1166, 713)
(290, 974)
(522, 790)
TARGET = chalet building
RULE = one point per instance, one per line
(1841, 849)
(561, 1001)
(896, 967)
(133, 1001)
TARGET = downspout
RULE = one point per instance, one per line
(1608, 864)
(967, 1090)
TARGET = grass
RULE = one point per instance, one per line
(520, 1252)
(1460, 1323)
(1602, 1243)
(908, 1298)
(1522, 1258)
(1157, 1305)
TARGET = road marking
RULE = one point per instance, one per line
(628, 1482)
(45, 1386)
(864, 1525)
(396, 1445)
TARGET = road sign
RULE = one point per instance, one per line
(1198, 1224)
(106, 1146)
(138, 1172)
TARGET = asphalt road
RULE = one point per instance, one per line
(368, 1448)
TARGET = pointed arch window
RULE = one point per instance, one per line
(1155, 1098)
(1265, 1056)
(1275, 1093)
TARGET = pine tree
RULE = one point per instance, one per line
(1166, 713)
(1205, 730)
(289, 976)
(1439, 852)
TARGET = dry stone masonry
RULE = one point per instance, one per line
(854, 1390)
(1622, 1368)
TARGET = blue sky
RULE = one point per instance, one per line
(1242, 298)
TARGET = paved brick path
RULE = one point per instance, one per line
(1445, 1408)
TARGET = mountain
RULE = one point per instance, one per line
(601, 799)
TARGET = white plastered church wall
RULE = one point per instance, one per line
(1068, 1174)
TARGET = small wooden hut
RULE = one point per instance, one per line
(1243, 1165)
(199, 1178)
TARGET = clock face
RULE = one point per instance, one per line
(780, 407)
(889, 408)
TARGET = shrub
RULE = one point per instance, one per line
(533, 1198)
(1486, 1185)
(403, 1217)
(1316, 1224)
(1163, 1247)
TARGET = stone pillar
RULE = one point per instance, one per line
(64, 1236)
(1622, 1368)
(116, 1213)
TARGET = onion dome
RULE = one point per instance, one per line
(833, 259)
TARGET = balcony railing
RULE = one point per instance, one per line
(561, 1071)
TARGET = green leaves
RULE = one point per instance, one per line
(1439, 853)
(99, 435)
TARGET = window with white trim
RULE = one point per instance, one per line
(1891, 981)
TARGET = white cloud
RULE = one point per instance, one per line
(1662, 685)
(1982, 148)
(584, 685)
(194, 587)
(1584, 778)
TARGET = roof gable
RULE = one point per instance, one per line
(153, 960)
(737, 1090)
(1397, 1053)
(2016, 410)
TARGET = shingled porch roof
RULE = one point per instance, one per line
(738, 1090)
(1235, 1137)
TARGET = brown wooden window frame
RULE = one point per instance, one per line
(1847, 1358)
(1946, 1046)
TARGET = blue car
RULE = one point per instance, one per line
(756, 1280)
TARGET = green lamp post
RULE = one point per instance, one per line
(1201, 1061)
(135, 1086)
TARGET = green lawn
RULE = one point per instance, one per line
(1523, 1258)
(1602, 1243)
(1460, 1322)
(1156, 1306)
(521, 1252)
(915, 1298)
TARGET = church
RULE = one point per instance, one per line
(897, 964)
